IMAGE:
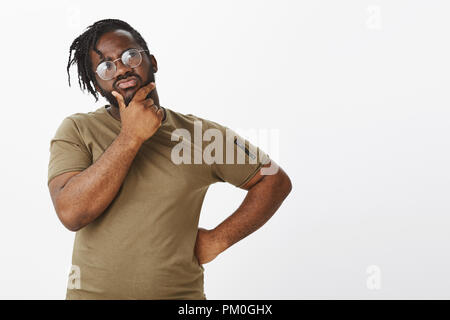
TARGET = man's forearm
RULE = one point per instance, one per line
(260, 203)
(87, 194)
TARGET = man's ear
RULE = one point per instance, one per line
(154, 63)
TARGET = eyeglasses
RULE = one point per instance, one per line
(131, 58)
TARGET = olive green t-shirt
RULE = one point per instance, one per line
(142, 245)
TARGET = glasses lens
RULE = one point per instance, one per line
(106, 70)
(132, 58)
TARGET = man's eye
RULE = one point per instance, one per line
(130, 54)
(109, 65)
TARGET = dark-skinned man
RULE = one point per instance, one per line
(113, 179)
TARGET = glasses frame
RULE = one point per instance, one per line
(121, 58)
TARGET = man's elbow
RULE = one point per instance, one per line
(71, 221)
(283, 183)
(286, 185)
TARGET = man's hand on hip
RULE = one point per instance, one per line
(207, 246)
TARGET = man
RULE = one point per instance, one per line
(115, 179)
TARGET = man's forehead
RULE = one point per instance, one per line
(113, 43)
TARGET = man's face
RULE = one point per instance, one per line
(112, 45)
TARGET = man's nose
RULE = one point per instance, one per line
(122, 69)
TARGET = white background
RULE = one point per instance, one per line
(357, 89)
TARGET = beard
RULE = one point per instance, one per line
(127, 99)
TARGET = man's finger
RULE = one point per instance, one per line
(119, 99)
(148, 102)
(152, 107)
(160, 113)
(144, 91)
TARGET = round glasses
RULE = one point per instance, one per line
(131, 58)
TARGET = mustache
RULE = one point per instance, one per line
(126, 76)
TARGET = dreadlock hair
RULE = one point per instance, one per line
(87, 41)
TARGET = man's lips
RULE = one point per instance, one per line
(127, 83)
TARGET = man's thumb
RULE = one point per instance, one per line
(119, 99)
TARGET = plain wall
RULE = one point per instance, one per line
(357, 90)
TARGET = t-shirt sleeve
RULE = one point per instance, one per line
(68, 151)
(241, 159)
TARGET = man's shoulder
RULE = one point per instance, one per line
(80, 117)
(80, 121)
(188, 120)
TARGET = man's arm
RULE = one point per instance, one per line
(265, 195)
(79, 198)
